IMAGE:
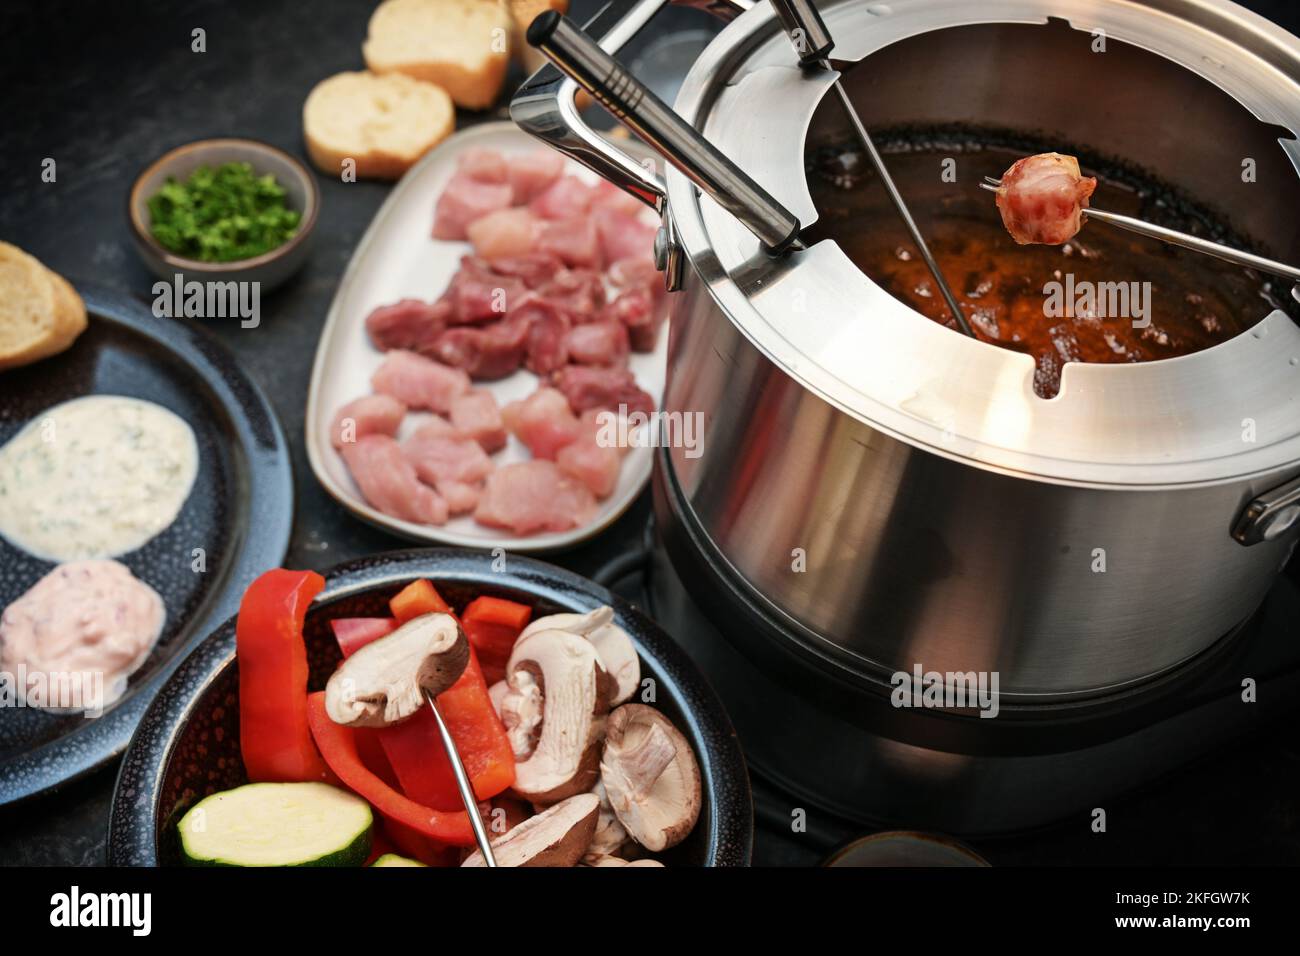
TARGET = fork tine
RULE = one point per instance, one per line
(990, 188)
(992, 181)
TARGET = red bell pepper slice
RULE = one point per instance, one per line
(414, 746)
(493, 626)
(355, 632)
(273, 731)
(418, 597)
(338, 745)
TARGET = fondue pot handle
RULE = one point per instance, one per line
(1269, 515)
(545, 108)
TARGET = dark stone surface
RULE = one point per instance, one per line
(103, 88)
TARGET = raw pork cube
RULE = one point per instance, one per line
(465, 200)
(476, 415)
(543, 421)
(593, 464)
(532, 496)
(387, 481)
(369, 415)
(419, 382)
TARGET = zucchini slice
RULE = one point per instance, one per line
(278, 824)
(392, 859)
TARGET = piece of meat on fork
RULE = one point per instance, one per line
(1042, 198)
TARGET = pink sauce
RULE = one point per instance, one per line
(87, 624)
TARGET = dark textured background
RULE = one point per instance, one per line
(106, 87)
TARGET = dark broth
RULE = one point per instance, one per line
(1192, 302)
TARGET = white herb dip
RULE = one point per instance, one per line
(95, 477)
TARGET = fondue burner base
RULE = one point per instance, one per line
(1014, 774)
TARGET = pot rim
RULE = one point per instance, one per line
(927, 385)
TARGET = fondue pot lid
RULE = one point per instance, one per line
(1227, 412)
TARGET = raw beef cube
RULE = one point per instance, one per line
(485, 352)
(612, 388)
(409, 324)
(597, 343)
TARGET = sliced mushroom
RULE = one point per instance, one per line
(650, 776)
(558, 675)
(610, 836)
(558, 836)
(590, 860)
(613, 646)
(384, 682)
(497, 693)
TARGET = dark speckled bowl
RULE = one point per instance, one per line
(187, 745)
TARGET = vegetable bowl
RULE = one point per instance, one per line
(188, 751)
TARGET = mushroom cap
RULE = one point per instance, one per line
(613, 645)
(384, 682)
(558, 836)
(610, 836)
(563, 670)
(651, 776)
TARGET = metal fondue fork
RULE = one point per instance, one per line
(463, 785)
(1174, 237)
(813, 42)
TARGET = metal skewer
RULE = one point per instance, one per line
(1174, 237)
(813, 42)
(463, 785)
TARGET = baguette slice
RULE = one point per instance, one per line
(383, 123)
(40, 313)
(524, 12)
(461, 45)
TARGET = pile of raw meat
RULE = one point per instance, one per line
(561, 283)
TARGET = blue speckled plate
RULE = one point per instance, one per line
(240, 512)
(188, 742)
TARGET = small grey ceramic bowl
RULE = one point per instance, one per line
(271, 268)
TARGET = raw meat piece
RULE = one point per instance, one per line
(573, 240)
(603, 427)
(439, 457)
(465, 200)
(504, 233)
(418, 381)
(597, 343)
(485, 352)
(605, 195)
(623, 236)
(534, 269)
(476, 415)
(532, 496)
(588, 387)
(543, 421)
(592, 464)
(547, 328)
(635, 270)
(1042, 198)
(461, 498)
(485, 165)
(578, 292)
(409, 324)
(369, 415)
(437, 425)
(566, 198)
(388, 481)
(533, 172)
(636, 308)
(478, 294)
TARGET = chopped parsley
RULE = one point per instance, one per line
(221, 214)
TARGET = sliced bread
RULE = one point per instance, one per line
(524, 12)
(461, 45)
(383, 123)
(40, 313)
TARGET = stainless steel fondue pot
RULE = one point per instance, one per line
(892, 493)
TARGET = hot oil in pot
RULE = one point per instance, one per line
(1105, 296)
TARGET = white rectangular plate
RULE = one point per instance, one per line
(397, 258)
